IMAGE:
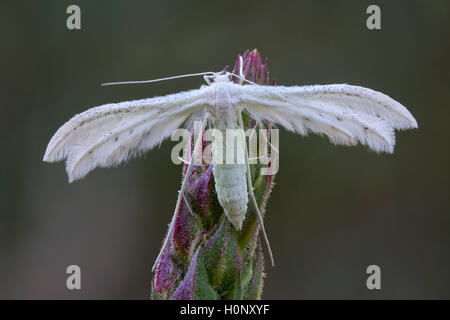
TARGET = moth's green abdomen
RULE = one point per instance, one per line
(231, 188)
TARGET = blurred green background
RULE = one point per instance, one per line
(334, 210)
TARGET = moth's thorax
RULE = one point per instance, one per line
(225, 104)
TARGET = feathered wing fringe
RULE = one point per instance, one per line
(108, 135)
(346, 114)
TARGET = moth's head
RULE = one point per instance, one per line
(221, 78)
(216, 77)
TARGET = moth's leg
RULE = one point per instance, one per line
(270, 143)
(210, 120)
(253, 132)
(207, 80)
(181, 192)
(256, 158)
(195, 165)
(252, 195)
(188, 205)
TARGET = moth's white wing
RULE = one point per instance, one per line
(110, 134)
(346, 114)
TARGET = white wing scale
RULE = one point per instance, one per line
(346, 114)
(108, 135)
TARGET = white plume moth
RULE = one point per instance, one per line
(110, 134)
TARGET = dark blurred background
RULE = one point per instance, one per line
(334, 210)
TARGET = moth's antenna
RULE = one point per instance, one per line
(160, 79)
(243, 78)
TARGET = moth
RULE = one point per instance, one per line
(110, 134)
